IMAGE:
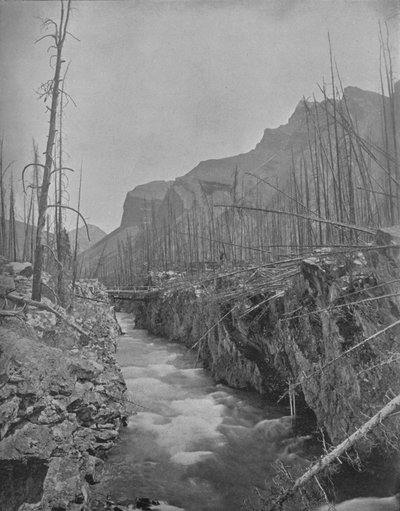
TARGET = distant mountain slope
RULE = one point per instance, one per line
(95, 233)
(141, 203)
(23, 239)
(168, 223)
(25, 244)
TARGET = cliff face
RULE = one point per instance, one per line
(311, 332)
(141, 201)
(167, 206)
(139, 206)
(224, 180)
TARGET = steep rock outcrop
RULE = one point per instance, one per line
(140, 205)
(301, 335)
(62, 403)
(141, 201)
(213, 181)
(188, 203)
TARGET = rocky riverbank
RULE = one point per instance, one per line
(306, 339)
(62, 400)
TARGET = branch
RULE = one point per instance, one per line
(50, 59)
(299, 215)
(63, 31)
(51, 47)
(282, 192)
(8, 166)
(49, 21)
(35, 187)
(72, 35)
(7, 313)
(39, 305)
(77, 212)
(326, 460)
(44, 37)
(30, 165)
(67, 95)
(61, 168)
(361, 343)
(54, 255)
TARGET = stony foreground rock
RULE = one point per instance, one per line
(61, 407)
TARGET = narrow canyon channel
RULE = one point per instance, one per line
(194, 444)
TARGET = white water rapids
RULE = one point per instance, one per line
(194, 444)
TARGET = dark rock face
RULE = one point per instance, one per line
(182, 316)
(21, 481)
(338, 304)
(142, 200)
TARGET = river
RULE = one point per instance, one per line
(191, 443)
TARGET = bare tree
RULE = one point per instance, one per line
(50, 90)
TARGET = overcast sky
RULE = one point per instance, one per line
(163, 84)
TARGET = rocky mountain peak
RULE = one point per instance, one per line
(141, 200)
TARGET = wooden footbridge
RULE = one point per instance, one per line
(134, 294)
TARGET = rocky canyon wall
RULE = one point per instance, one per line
(312, 333)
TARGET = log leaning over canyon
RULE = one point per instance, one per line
(329, 458)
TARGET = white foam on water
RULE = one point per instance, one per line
(161, 369)
(235, 432)
(219, 395)
(185, 432)
(147, 387)
(193, 372)
(163, 506)
(131, 372)
(191, 457)
(201, 407)
(171, 357)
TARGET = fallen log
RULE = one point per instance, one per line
(20, 300)
(9, 314)
(299, 215)
(326, 460)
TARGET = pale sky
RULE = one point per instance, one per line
(162, 84)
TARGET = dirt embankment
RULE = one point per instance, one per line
(61, 405)
(311, 332)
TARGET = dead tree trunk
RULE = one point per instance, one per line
(60, 32)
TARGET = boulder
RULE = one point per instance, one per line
(24, 269)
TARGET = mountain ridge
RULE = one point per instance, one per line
(222, 180)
